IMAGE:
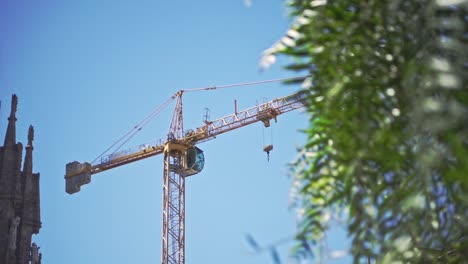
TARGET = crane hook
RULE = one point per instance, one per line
(267, 149)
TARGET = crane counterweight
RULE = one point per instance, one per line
(78, 174)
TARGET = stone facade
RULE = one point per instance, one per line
(20, 216)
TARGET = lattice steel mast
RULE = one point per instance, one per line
(173, 215)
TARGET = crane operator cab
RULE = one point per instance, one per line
(195, 161)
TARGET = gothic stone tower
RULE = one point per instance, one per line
(19, 198)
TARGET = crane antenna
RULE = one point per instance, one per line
(245, 84)
(136, 128)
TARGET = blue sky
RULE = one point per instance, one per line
(87, 71)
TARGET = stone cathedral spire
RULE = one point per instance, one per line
(10, 157)
(27, 165)
(19, 198)
(10, 138)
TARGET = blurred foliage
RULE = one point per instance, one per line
(388, 137)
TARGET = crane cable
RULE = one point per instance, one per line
(138, 127)
(245, 84)
(267, 148)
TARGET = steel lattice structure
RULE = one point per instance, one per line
(181, 159)
(173, 214)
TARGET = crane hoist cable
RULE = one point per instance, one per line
(137, 128)
(268, 148)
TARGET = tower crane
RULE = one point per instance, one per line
(182, 158)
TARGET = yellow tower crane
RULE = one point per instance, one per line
(181, 158)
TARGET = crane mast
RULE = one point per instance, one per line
(173, 214)
(181, 159)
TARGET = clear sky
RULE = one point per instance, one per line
(87, 71)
